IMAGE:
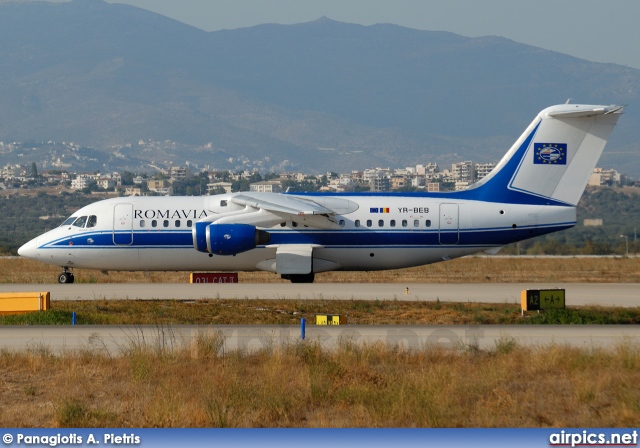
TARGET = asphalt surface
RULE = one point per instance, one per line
(114, 340)
(578, 294)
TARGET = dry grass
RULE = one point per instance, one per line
(305, 386)
(464, 270)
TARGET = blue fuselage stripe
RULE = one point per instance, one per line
(326, 238)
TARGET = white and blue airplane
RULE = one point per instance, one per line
(532, 191)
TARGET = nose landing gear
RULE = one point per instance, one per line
(66, 276)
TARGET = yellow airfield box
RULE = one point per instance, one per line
(24, 302)
(542, 299)
(330, 319)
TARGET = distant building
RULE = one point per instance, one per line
(462, 185)
(133, 191)
(11, 171)
(177, 173)
(483, 169)
(604, 177)
(157, 186)
(379, 184)
(593, 222)
(396, 182)
(226, 186)
(272, 186)
(82, 181)
(106, 183)
(464, 171)
(433, 187)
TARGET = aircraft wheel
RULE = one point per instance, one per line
(66, 277)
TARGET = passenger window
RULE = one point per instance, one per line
(342, 223)
(165, 223)
(392, 223)
(282, 224)
(177, 223)
(294, 224)
(369, 223)
(142, 223)
(223, 203)
(80, 221)
(416, 223)
(189, 223)
(404, 223)
(357, 223)
(428, 223)
(92, 221)
(154, 223)
(381, 223)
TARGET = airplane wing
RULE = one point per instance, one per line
(267, 209)
(278, 203)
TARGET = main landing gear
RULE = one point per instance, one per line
(299, 278)
(66, 276)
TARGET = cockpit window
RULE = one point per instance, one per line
(80, 221)
(69, 221)
(92, 221)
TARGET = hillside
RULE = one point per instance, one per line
(105, 75)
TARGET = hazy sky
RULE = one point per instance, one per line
(597, 30)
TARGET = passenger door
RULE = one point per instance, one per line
(449, 230)
(123, 224)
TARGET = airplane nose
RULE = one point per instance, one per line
(30, 249)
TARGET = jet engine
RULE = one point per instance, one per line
(227, 239)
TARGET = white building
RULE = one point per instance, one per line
(226, 186)
(11, 171)
(272, 186)
(106, 183)
(482, 169)
(603, 177)
(82, 181)
(464, 171)
(179, 173)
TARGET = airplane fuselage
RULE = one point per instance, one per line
(384, 232)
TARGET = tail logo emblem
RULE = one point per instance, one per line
(550, 153)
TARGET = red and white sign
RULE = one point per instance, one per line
(212, 277)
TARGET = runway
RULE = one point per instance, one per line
(577, 294)
(114, 340)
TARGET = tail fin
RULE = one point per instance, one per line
(553, 159)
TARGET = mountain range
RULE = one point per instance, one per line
(322, 96)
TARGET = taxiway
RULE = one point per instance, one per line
(577, 294)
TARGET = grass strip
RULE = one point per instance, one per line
(289, 312)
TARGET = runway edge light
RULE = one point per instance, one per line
(542, 299)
